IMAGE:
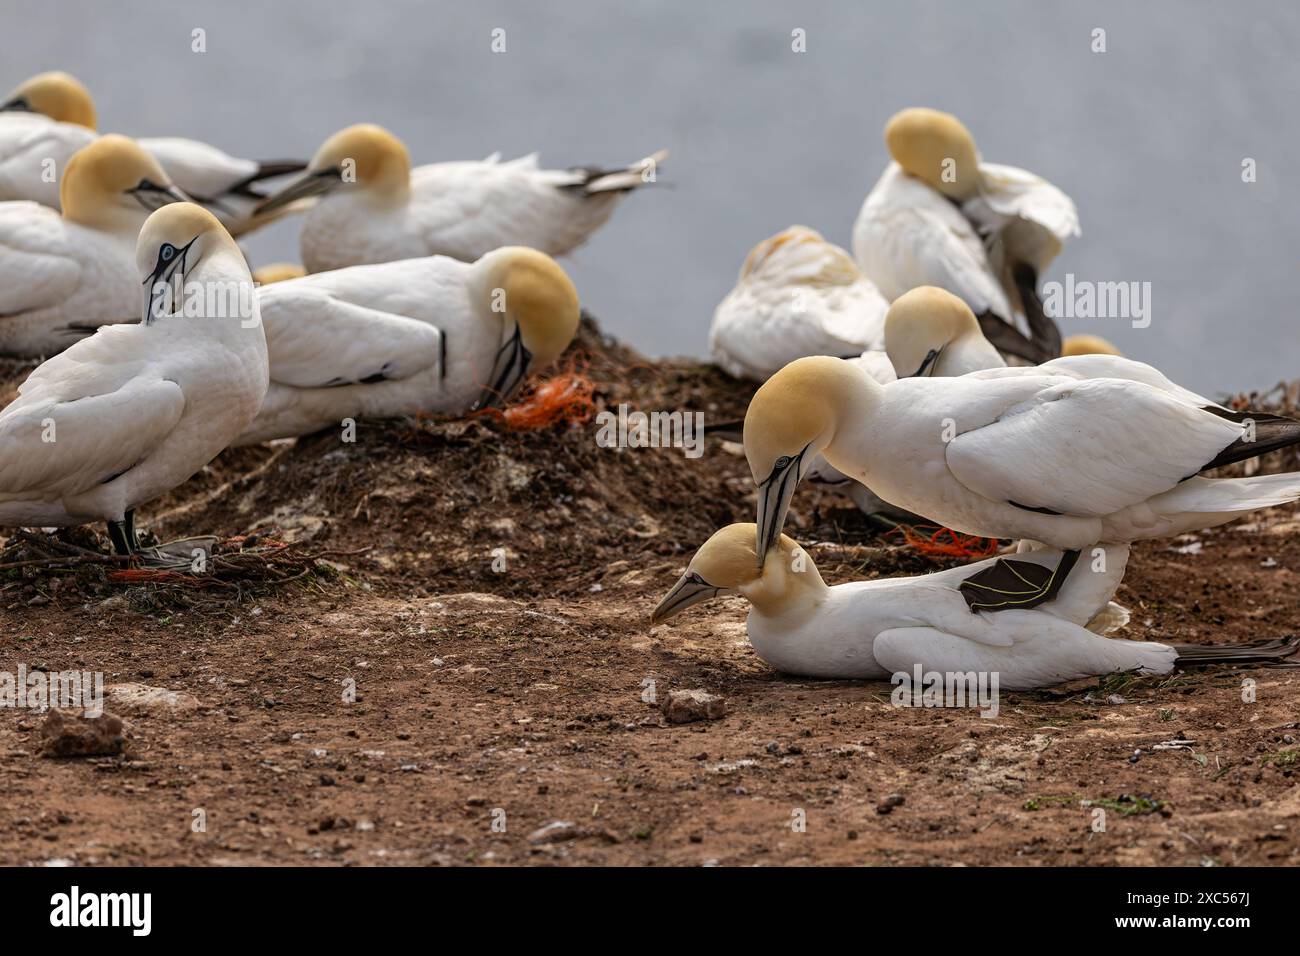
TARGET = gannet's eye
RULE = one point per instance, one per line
(782, 462)
(167, 251)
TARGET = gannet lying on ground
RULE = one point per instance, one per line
(134, 410)
(872, 629)
(376, 208)
(420, 335)
(797, 295)
(939, 216)
(52, 116)
(78, 268)
(1028, 453)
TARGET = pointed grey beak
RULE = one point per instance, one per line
(16, 105)
(153, 196)
(316, 183)
(165, 286)
(508, 372)
(931, 360)
(774, 496)
(689, 589)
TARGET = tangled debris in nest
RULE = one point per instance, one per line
(36, 566)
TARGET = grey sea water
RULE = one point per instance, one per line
(1148, 137)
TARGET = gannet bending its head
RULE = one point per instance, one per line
(1087, 345)
(420, 335)
(871, 629)
(930, 331)
(797, 295)
(1047, 453)
(940, 216)
(373, 207)
(58, 95)
(77, 271)
(134, 410)
(50, 117)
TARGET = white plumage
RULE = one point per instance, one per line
(134, 410)
(797, 295)
(417, 335)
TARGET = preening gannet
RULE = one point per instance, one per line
(419, 335)
(134, 410)
(51, 116)
(797, 295)
(375, 208)
(78, 268)
(872, 629)
(1031, 453)
(939, 216)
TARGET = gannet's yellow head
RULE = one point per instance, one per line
(921, 324)
(56, 95)
(278, 272)
(799, 255)
(174, 242)
(114, 183)
(365, 157)
(790, 420)
(537, 306)
(1088, 345)
(726, 563)
(935, 148)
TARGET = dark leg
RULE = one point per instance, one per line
(123, 540)
(1016, 584)
(130, 528)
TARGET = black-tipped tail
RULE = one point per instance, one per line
(1285, 650)
(1267, 433)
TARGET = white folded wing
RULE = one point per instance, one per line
(38, 267)
(1023, 212)
(33, 152)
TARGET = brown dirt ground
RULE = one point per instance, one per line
(485, 696)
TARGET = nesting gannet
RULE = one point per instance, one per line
(872, 629)
(51, 116)
(419, 335)
(939, 216)
(78, 268)
(134, 410)
(376, 208)
(1087, 345)
(797, 295)
(277, 272)
(1029, 453)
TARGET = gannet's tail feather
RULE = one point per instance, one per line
(1285, 650)
(592, 181)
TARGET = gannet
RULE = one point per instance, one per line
(78, 268)
(376, 208)
(940, 216)
(872, 629)
(134, 410)
(418, 335)
(1030, 453)
(797, 295)
(51, 116)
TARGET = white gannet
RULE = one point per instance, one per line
(51, 116)
(872, 629)
(797, 295)
(134, 410)
(1032, 453)
(418, 335)
(376, 208)
(939, 216)
(58, 272)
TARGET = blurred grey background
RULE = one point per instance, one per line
(1148, 137)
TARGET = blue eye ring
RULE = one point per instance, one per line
(167, 251)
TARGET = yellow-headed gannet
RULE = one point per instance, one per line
(375, 208)
(419, 335)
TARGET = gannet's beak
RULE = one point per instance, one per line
(167, 277)
(774, 496)
(508, 372)
(689, 589)
(931, 360)
(314, 183)
(152, 196)
(16, 105)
